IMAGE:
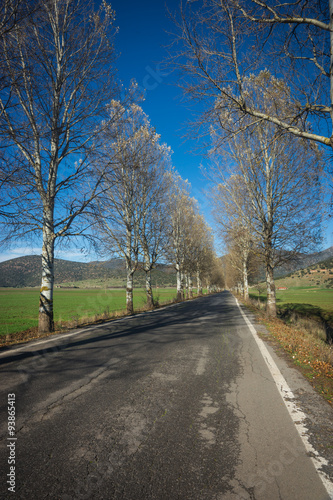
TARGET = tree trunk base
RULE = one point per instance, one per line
(150, 301)
(45, 323)
(271, 310)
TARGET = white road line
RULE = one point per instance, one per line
(295, 413)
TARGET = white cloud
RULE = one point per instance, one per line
(13, 253)
(72, 255)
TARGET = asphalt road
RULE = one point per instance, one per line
(174, 404)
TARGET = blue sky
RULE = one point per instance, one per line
(140, 42)
(144, 33)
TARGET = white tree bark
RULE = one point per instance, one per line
(149, 290)
(130, 268)
(45, 320)
(199, 283)
(129, 291)
(245, 280)
(179, 284)
(183, 285)
(190, 287)
(271, 296)
(186, 283)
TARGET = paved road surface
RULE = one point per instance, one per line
(174, 404)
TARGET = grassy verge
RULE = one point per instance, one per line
(308, 301)
(308, 352)
(307, 307)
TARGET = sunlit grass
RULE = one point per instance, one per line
(307, 301)
(19, 306)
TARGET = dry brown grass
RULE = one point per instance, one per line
(306, 350)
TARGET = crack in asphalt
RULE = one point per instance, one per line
(48, 408)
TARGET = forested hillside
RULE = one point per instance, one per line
(26, 272)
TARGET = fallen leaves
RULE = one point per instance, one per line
(313, 356)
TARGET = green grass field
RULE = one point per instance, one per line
(321, 297)
(311, 301)
(19, 306)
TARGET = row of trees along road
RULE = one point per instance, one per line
(74, 160)
(270, 204)
(191, 243)
(242, 258)
(132, 211)
(265, 71)
(145, 212)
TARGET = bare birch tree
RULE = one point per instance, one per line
(234, 228)
(130, 210)
(180, 205)
(154, 220)
(59, 82)
(199, 251)
(280, 177)
(191, 244)
(223, 43)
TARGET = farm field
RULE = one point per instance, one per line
(307, 300)
(321, 297)
(19, 306)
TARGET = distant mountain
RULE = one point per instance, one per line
(26, 271)
(303, 261)
(109, 264)
(319, 274)
(315, 258)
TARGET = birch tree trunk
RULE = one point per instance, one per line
(245, 280)
(147, 269)
(190, 287)
(186, 285)
(268, 232)
(130, 272)
(129, 291)
(45, 318)
(182, 277)
(199, 284)
(149, 291)
(271, 296)
(179, 285)
(270, 285)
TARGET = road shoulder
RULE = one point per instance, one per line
(318, 412)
